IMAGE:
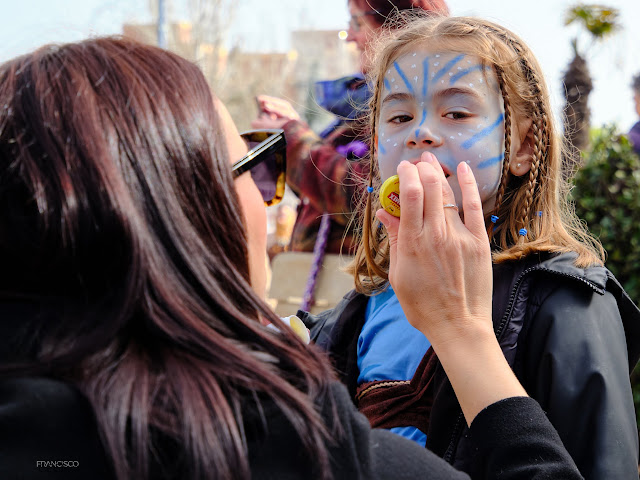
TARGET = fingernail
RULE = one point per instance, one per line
(464, 167)
(430, 157)
(379, 217)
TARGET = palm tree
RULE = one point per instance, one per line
(599, 21)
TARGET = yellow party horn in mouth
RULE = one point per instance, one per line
(390, 195)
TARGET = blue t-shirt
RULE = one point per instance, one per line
(389, 348)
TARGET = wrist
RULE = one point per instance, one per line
(453, 336)
(477, 370)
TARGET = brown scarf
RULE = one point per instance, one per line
(400, 403)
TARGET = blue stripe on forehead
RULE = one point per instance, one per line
(425, 76)
(386, 84)
(462, 73)
(403, 76)
(467, 144)
(490, 161)
(447, 66)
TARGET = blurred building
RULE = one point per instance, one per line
(238, 76)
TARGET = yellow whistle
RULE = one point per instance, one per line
(390, 195)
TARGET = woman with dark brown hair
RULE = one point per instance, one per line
(132, 243)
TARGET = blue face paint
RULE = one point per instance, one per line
(424, 117)
(403, 77)
(467, 144)
(462, 73)
(448, 118)
(446, 68)
(489, 162)
(425, 76)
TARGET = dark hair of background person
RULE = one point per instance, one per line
(120, 227)
(385, 9)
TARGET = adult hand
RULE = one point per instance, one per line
(268, 121)
(440, 267)
(277, 107)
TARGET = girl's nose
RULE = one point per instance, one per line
(423, 137)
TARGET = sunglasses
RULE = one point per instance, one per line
(267, 161)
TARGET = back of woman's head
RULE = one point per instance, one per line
(108, 155)
(385, 9)
(120, 219)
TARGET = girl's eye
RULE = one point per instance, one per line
(457, 115)
(400, 119)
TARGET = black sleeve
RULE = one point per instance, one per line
(516, 441)
(575, 365)
(513, 435)
(48, 431)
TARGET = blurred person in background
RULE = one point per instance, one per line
(634, 133)
(324, 169)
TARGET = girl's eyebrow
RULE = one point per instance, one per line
(397, 97)
(449, 92)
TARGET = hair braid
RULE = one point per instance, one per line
(533, 172)
(540, 127)
(507, 144)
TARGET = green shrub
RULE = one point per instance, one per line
(607, 198)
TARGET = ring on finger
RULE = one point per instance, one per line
(451, 205)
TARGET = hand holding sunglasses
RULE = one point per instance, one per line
(266, 159)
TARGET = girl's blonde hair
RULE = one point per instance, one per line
(537, 202)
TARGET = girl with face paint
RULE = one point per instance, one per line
(460, 112)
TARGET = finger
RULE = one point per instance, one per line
(447, 193)
(263, 101)
(411, 199)
(471, 203)
(448, 198)
(432, 184)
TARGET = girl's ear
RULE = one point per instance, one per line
(521, 149)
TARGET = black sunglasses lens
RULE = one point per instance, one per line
(265, 174)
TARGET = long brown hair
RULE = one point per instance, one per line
(118, 213)
(537, 202)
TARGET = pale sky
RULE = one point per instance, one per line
(27, 24)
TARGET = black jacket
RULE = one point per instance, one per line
(571, 336)
(47, 432)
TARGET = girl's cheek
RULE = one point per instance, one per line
(390, 149)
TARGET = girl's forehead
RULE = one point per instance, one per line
(423, 70)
